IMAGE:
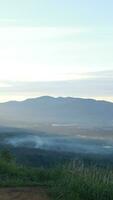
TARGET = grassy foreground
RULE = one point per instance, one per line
(73, 181)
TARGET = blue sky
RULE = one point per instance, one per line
(58, 12)
(45, 44)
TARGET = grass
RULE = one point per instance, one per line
(84, 184)
(72, 181)
(13, 175)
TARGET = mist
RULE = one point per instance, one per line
(73, 144)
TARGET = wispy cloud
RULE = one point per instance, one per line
(5, 85)
(34, 33)
(94, 75)
(46, 53)
(105, 74)
(97, 85)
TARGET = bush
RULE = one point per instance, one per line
(6, 155)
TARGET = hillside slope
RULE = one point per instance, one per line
(81, 112)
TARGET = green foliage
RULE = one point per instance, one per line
(6, 155)
(83, 184)
(75, 182)
(12, 174)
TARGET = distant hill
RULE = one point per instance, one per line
(46, 109)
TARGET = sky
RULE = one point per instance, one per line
(57, 48)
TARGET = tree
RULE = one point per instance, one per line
(6, 155)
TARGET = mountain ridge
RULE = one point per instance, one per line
(55, 98)
(47, 109)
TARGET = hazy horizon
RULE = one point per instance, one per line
(47, 96)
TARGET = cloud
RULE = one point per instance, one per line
(4, 85)
(105, 74)
(90, 87)
(94, 75)
(34, 33)
(46, 53)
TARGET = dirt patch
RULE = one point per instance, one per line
(23, 194)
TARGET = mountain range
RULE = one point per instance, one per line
(60, 110)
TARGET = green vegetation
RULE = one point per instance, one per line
(84, 184)
(73, 181)
(12, 174)
(6, 155)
